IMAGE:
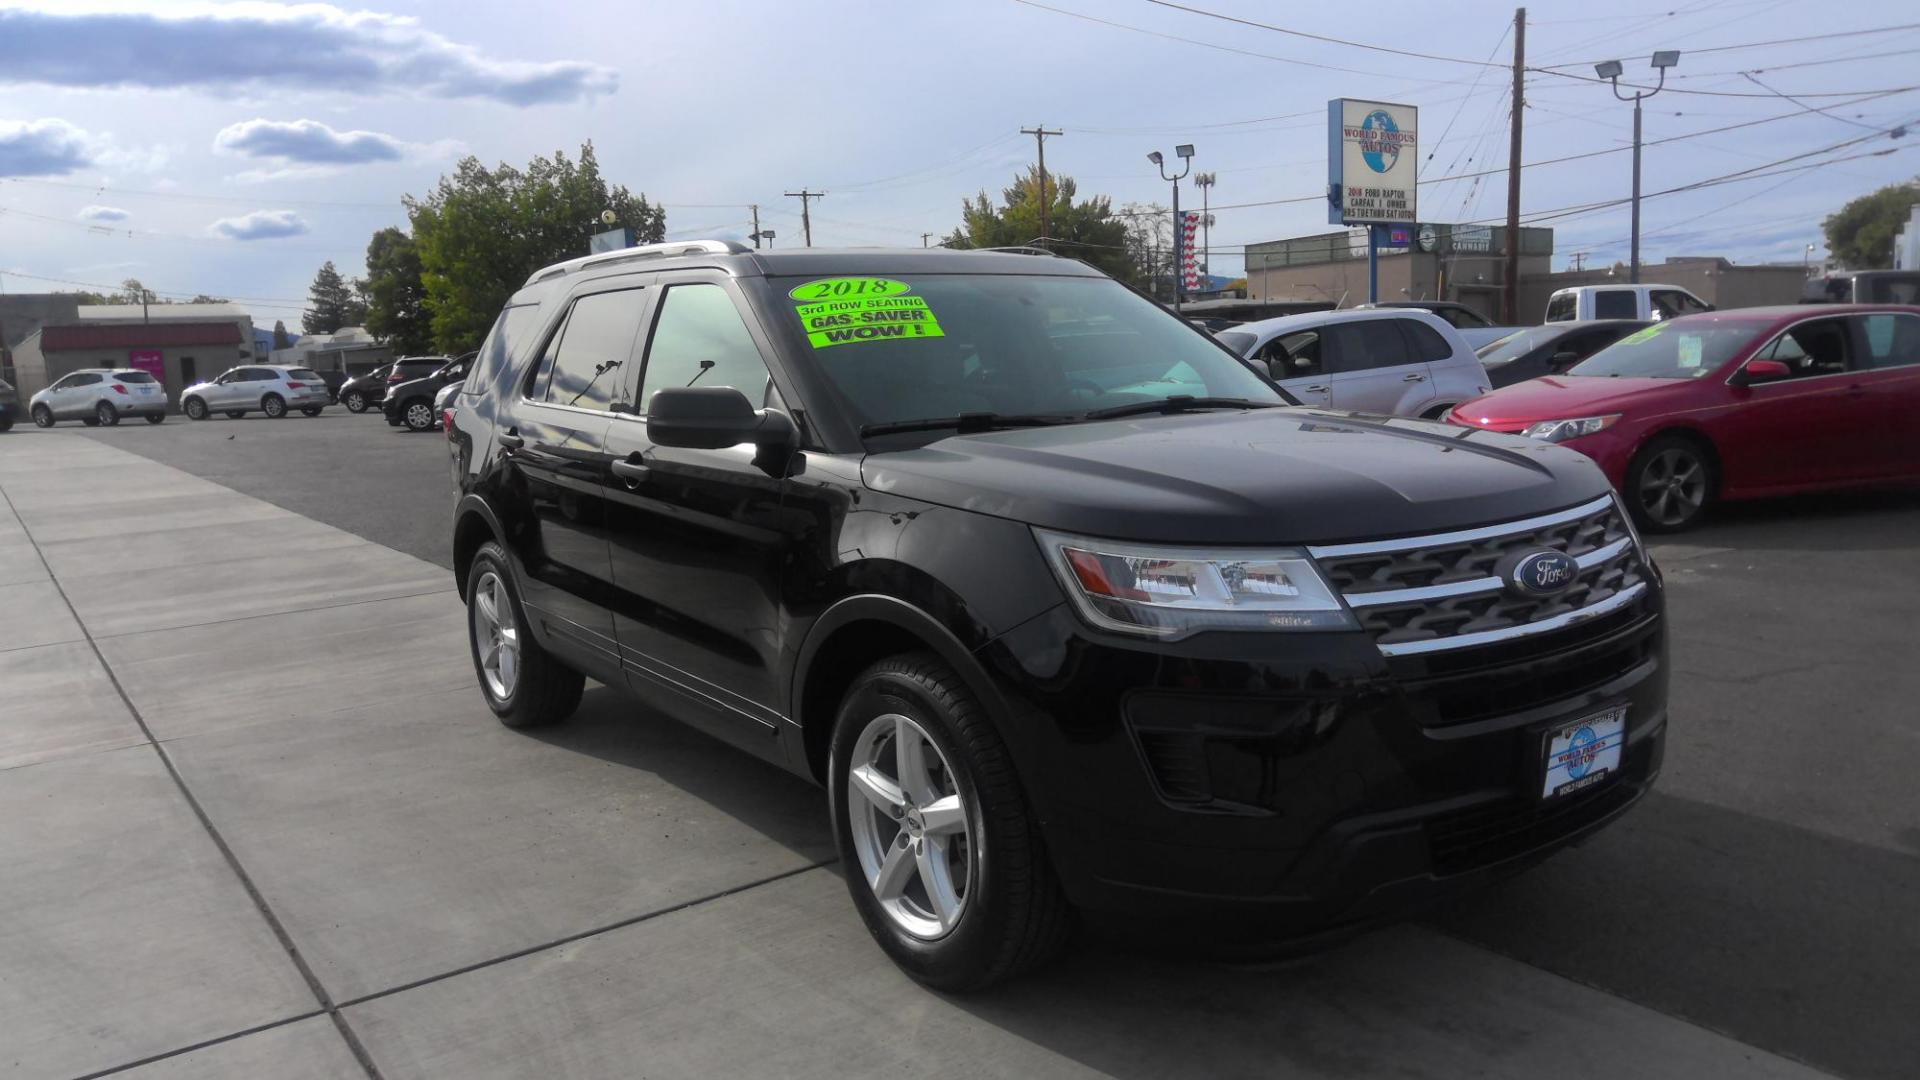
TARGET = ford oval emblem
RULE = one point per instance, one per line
(1541, 573)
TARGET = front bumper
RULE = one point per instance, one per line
(1291, 784)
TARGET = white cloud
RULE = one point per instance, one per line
(260, 225)
(44, 148)
(103, 214)
(287, 46)
(307, 141)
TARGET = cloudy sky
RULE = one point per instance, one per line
(230, 148)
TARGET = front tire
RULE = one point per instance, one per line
(1670, 484)
(355, 401)
(274, 406)
(523, 684)
(42, 416)
(943, 857)
(196, 409)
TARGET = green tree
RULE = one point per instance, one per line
(330, 302)
(395, 295)
(1860, 235)
(482, 231)
(281, 339)
(1149, 248)
(1086, 230)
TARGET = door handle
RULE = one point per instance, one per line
(510, 440)
(1414, 378)
(1314, 389)
(631, 471)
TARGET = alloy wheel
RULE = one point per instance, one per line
(911, 827)
(419, 416)
(496, 635)
(42, 416)
(1673, 486)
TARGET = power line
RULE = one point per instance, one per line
(1323, 37)
(1758, 44)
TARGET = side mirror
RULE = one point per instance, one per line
(714, 417)
(1563, 360)
(1759, 371)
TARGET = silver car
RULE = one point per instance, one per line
(1393, 361)
(100, 396)
(268, 388)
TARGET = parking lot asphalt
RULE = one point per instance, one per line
(256, 820)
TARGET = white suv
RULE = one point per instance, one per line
(1392, 361)
(100, 397)
(267, 388)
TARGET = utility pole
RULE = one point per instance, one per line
(1040, 133)
(924, 237)
(806, 218)
(1511, 300)
(755, 207)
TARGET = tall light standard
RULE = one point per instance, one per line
(1610, 71)
(1204, 181)
(1185, 152)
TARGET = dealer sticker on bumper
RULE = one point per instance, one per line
(1585, 752)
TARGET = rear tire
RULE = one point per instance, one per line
(274, 406)
(523, 684)
(106, 414)
(417, 414)
(196, 409)
(42, 416)
(355, 401)
(156, 418)
(975, 901)
(310, 410)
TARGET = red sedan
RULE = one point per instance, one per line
(1733, 405)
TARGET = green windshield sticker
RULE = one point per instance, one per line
(877, 318)
(1639, 336)
(848, 288)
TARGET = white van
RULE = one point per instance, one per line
(1584, 303)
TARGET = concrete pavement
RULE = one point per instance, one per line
(275, 831)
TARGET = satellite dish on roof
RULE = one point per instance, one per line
(607, 217)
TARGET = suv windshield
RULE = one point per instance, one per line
(1518, 344)
(928, 346)
(1669, 350)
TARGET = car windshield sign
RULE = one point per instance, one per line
(928, 346)
(1669, 350)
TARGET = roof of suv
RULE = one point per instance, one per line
(1303, 321)
(825, 262)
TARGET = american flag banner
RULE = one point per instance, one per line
(1189, 257)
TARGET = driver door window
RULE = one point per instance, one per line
(1293, 356)
(699, 339)
(1811, 348)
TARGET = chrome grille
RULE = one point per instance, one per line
(1428, 593)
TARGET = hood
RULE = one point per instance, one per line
(1565, 397)
(1276, 476)
(201, 385)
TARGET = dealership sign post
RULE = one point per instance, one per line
(1373, 167)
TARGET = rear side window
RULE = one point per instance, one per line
(1424, 341)
(1365, 345)
(586, 363)
(1892, 340)
(1615, 304)
(303, 373)
(416, 369)
(132, 377)
(84, 379)
(1561, 308)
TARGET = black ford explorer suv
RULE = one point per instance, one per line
(411, 402)
(1065, 606)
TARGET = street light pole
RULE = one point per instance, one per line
(1185, 152)
(1610, 70)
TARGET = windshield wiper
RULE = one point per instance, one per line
(967, 423)
(1179, 403)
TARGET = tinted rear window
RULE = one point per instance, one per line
(1615, 304)
(133, 377)
(303, 373)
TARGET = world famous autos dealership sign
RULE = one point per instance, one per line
(1373, 162)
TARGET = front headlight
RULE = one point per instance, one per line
(1170, 592)
(1562, 430)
